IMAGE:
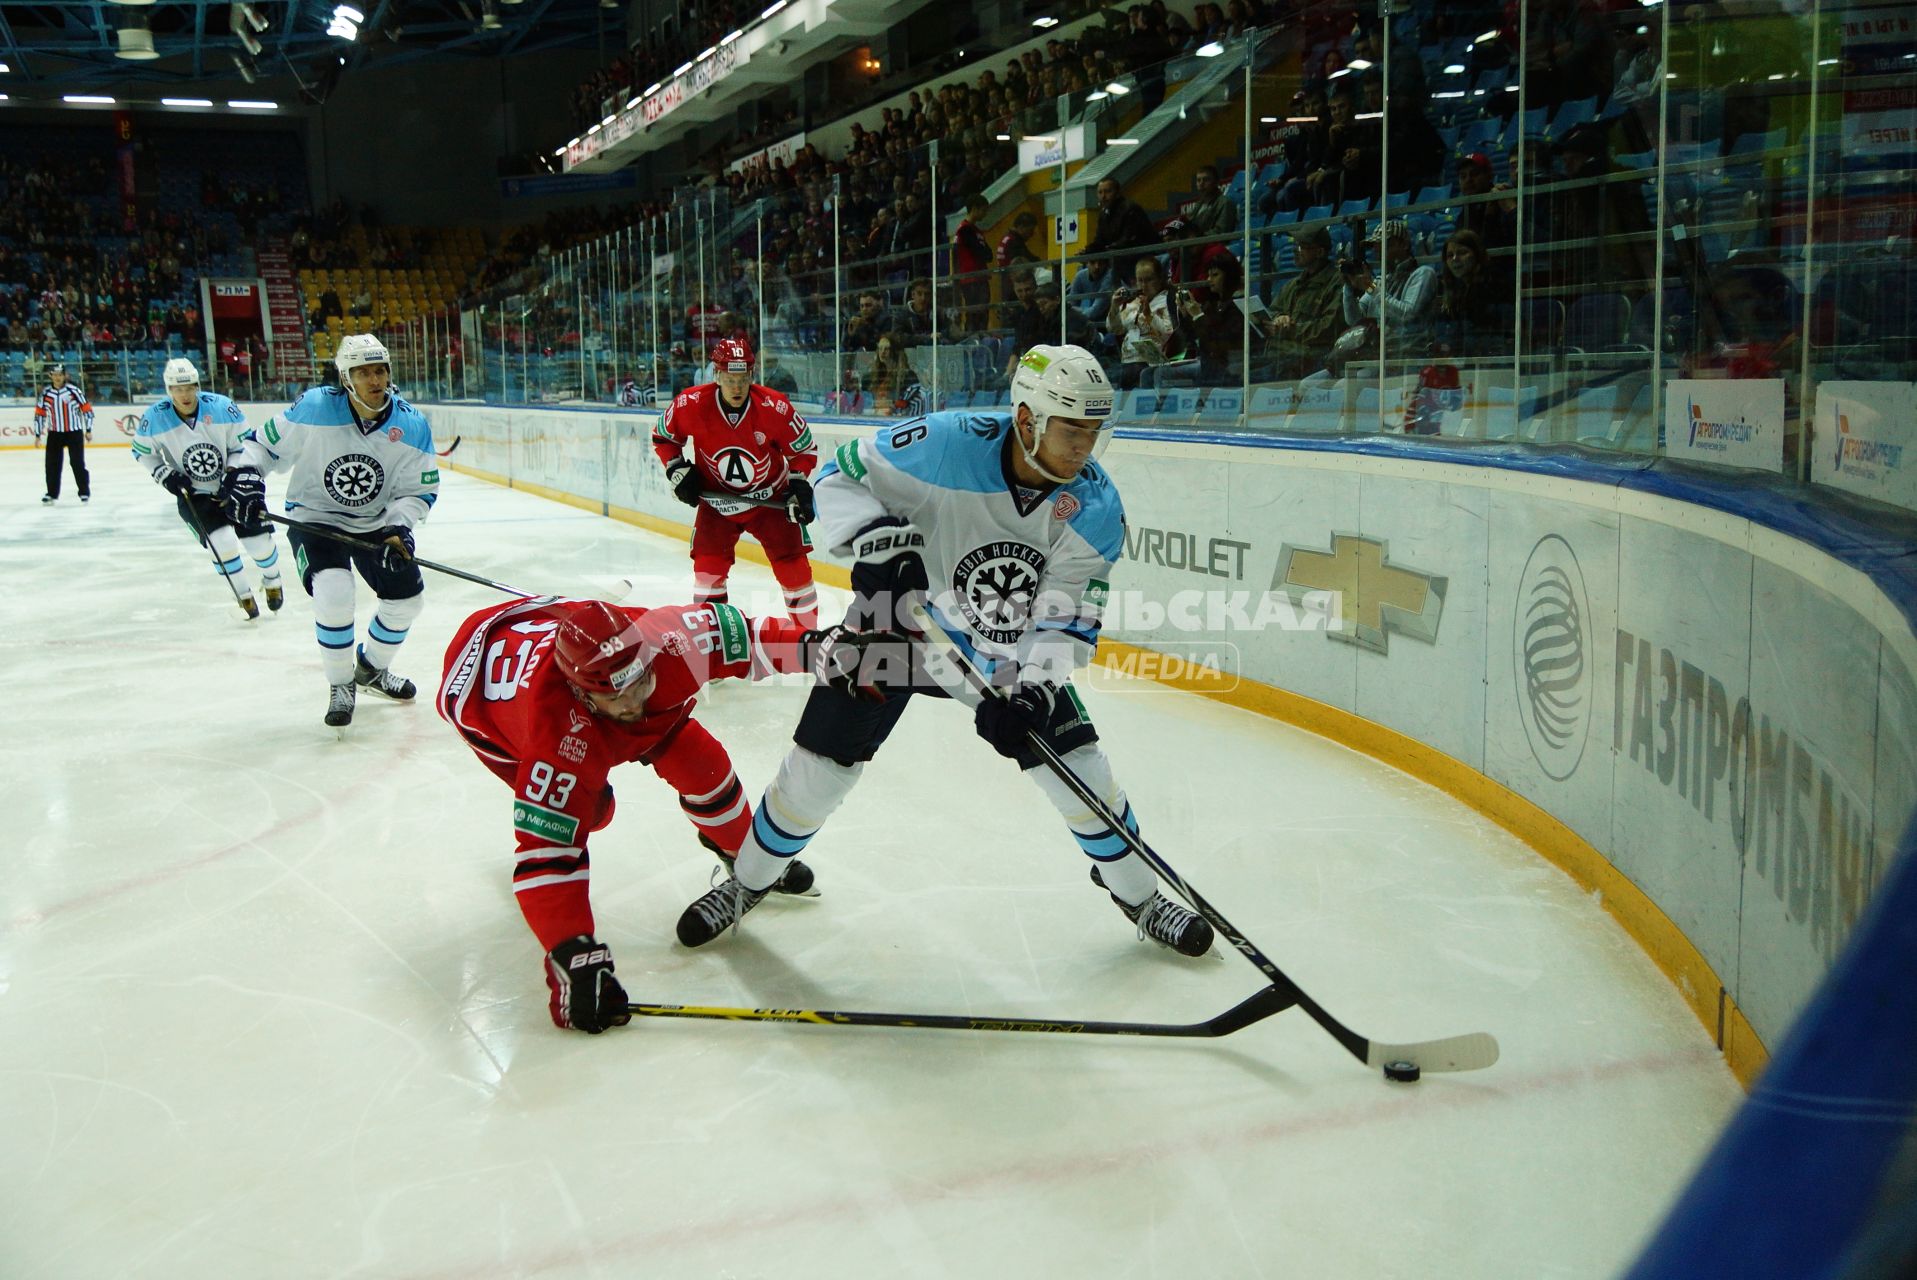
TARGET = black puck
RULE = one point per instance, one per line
(1403, 1072)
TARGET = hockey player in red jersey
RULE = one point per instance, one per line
(746, 440)
(550, 695)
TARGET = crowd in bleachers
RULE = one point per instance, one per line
(702, 23)
(1379, 214)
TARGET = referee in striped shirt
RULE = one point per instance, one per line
(66, 419)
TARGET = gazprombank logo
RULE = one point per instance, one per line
(1551, 647)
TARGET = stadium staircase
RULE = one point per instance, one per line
(292, 345)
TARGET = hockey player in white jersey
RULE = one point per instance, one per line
(185, 442)
(1011, 528)
(363, 464)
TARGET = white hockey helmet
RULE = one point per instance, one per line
(358, 349)
(1063, 382)
(1066, 382)
(180, 373)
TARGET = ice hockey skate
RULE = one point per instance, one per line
(251, 606)
(719, 909)
(1164, 922)
(339, 707)
(382, 681)
(275, 599)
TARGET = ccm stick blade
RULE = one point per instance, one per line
(1254, 1008)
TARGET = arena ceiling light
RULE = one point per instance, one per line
(731, 37)
(136, 43)
(1359, 64)
(1045, 22)
(243, 104)
(1455, 69)
(134, 4)
(251, 16)
(1116, 89)
(1211, 50)
(1492, 34)
(248, 41)
(345, 24)
(87, 100)
(244, 67)
(651, 89)
(774, 8)
(186, 102)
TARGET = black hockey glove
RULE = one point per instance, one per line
(1005, 721)
(799, 507)
(859, 664)
(396, 547)
(886, 570)
(178, 484)
(243, 496)
(585, 995)
(684, 479)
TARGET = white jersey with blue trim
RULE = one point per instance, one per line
(1015, 572)
(348, 473)
(165, 442)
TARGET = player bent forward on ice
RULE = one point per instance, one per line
(363, 466)
(185, 442)
(550, 695)
(1019, 527)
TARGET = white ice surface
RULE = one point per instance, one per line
(267, 1008)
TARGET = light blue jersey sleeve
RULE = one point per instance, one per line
(155, 422)
(415, 480)
(1069, 607)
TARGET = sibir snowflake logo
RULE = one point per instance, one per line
(353, 479)
(203, 461)
(995, 585)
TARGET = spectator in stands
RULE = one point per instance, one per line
(1494, 222)
(1024, 319)
(970, 257)
(868, 326)
(1211, 213)
(1142, 319)
(1090, 291)
(1079, 330)
(1613, 245)
(1309, 311)
(1403, 300)
(1122, 225)
(913, 321)
(1569, 54)
(1343, 175)
(775, 377)
(1015, 246)
(1473, 312)
(1217, 328)
(849, 399)
(1305, 140)
(892, 384)
(1143, 51)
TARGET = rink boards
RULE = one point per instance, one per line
(1706, 719)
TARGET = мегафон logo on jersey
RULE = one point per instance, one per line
(1551, 651)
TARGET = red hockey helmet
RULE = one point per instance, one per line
(732, 355)
(600, 650)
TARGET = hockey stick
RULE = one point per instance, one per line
(1257, 1007)
(708, 495)
(193, 519)
(447, 452)
(321, 531)
(1469, 1052)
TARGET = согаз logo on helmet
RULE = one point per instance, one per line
(995, 584)
(1551, 655)
(354, 479)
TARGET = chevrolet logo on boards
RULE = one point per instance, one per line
(1376, 597)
